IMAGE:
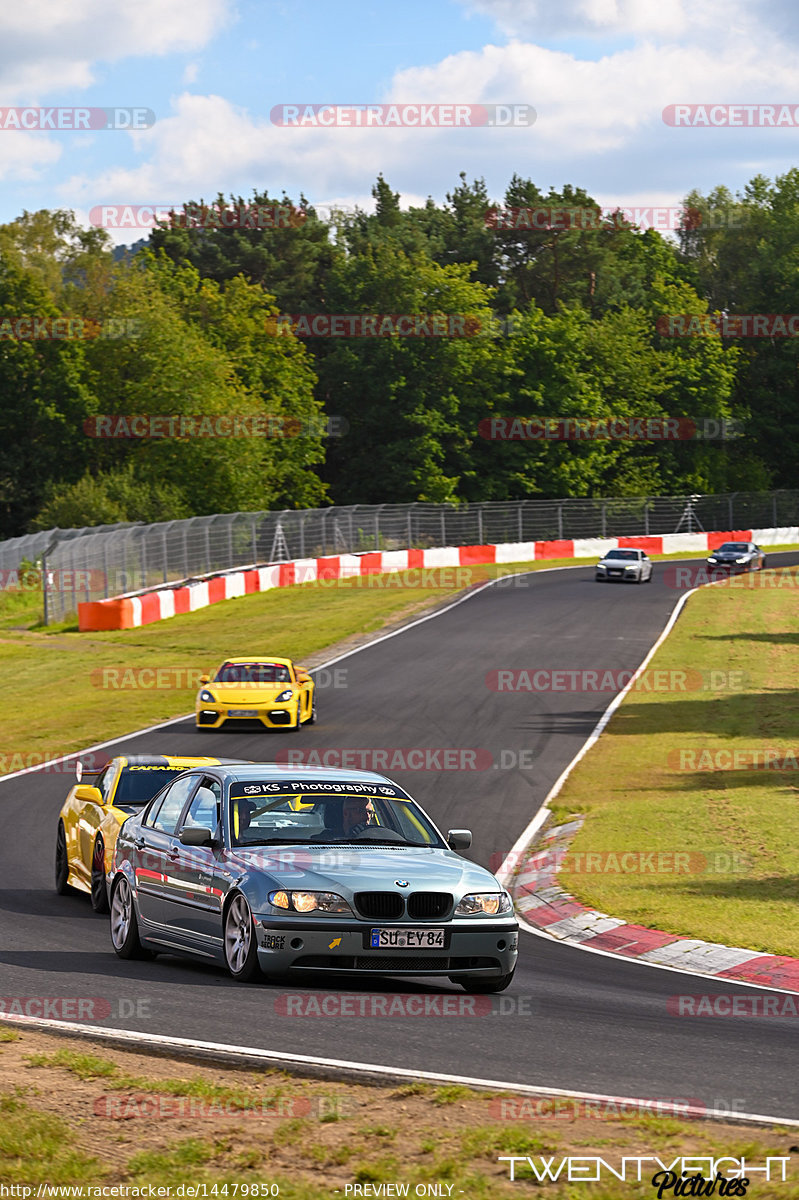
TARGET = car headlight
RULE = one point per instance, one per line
(207, 697)
(489, 903)
(306, 902)
(284, 696)
(713, 560)
(631, 567)
(601, 567)
(743, 560)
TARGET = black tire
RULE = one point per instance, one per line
(312, 719)
(640, 578)
(241, 941)
(763, 565)
(477, 985)
(62, 863)
(298, 723)
(99, 890)
(124, 926)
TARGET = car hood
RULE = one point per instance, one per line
(619, 562)
(729, 555)
(363, 868)
(237, 693)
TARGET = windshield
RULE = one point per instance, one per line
(254, 672)
(139, 783)
(622, 554)
(733, 548)
(356, 813)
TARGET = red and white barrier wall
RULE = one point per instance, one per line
(142, 608)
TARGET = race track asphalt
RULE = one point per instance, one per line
(577, 1020)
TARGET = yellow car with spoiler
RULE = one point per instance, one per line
(269, 692)
(96, 807)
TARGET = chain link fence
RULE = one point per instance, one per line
(94, 563)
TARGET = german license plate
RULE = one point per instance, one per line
(242, 712)
(407, 939)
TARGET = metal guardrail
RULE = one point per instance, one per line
(94, 563)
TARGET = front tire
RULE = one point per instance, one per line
(99, 890)
(476, 985)
(124, 926)
(312, 717)
(241, 942)
(62, 862)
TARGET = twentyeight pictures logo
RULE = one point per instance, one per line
(403, 116)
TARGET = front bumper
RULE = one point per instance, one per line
(469, 948)
(269, 716)
(617, 576)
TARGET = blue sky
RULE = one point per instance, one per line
(598, 72)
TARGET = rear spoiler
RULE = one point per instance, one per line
(87, 767)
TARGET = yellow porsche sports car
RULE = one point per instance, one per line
(95, 809)
(274, 692)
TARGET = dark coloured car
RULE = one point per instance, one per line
(743, 556)
(289, 870)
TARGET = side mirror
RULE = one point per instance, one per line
(195, 835)
(88, 794)
(205, 679)
(459, 839)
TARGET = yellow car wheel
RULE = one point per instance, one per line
(99, 891)
(61, 862)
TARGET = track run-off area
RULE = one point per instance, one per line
(571, 1019)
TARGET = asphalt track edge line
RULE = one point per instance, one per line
(505, 872)
(437, 612)
(346, 1071)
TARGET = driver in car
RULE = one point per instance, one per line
(356, 815)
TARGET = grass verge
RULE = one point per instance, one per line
(676, 773)
(61, 690)
(112, 1117)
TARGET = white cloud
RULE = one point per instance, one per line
(707, 20)
(23, 158)
(190, 72)
(49, 45)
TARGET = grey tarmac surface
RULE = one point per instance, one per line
(570, 1019)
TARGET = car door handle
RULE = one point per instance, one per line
(139, 843)
(173, 853)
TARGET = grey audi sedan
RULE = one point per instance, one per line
(281, 871)
(625, 566)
